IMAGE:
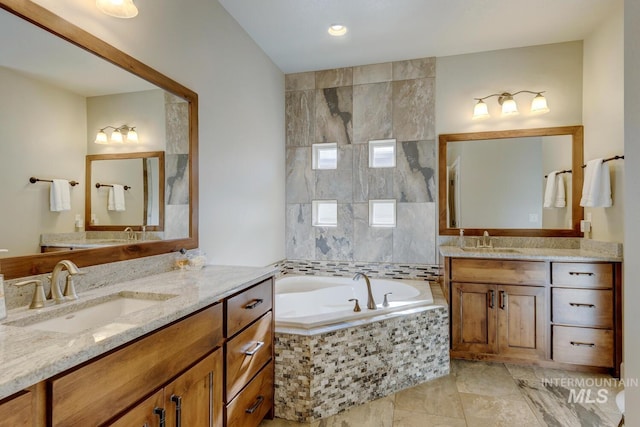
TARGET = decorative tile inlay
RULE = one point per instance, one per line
(372, 269)
(177, 179)
(412, 99)
(374, 73)
(300, 81)
(414, 69)
(322, 375)
(414, 236)
(334, 78)
(372, 111)
(299, 177)
(300, 108)
(334, 108)
(415, 179)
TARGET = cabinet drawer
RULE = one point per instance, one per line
(583, 346)
(95, 392)
(583, 275)
(252, 404)
(583, 307)
(249, 305)
(498, 271)
(247, 352)
(17, 410)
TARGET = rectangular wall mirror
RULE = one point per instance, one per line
(65, 85)
(496, 181)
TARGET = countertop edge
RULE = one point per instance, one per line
(532, 254)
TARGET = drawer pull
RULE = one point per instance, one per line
(178, 401)
(580, 273)
(580, 304)
(503, 300)
(254, 304)
(161, 415)
(582, 344)
(492, 298)
(256, 348)
(255, 406)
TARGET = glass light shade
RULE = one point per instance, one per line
(101, 138)
(509, 106)
(132, 135)
(116, 136)
(337, 30)
(117, 8)
(539, 104)
(480, 111)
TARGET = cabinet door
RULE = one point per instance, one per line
(521, 321)
(149, 413)
(194, 399)
(17, 411)
(473, 317)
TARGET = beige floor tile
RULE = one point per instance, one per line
(419, 419)
(489, 379)
(503, 411)
(436, 397)
(279, 422)
(378, 413)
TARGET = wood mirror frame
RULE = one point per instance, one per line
(577, 176)
(30, 265)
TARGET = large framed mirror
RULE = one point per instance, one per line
(65, 85)
(496, 182)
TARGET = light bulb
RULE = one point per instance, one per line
(337, 30)
(116, 136)
(539, 104)
(117, 8)
(509, 106)
(480, 111)
(132, 135)
(101, 137)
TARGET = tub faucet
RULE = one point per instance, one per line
(69, 291)
(371, 304)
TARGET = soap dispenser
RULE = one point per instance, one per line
(461, 238)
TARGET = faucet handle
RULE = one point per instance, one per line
(385, 303)
(357, 306)
(69, 289)
(38, 299)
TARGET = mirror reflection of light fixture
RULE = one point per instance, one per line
(117, 8)
(509, 106)
(337, 30)
(118, 135)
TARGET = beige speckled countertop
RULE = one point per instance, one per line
(28, 356)
(548, 254)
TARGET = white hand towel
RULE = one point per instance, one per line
(596, 189)
(550, 190)
(560, 200)
(59, 196)
(115, 199)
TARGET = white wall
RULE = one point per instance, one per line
(554, 68)
(42, 134)
(632, 207)
(603, 117)
(241, 100)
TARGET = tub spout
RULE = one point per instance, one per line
(371, 304)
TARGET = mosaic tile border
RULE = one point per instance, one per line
(372, 269)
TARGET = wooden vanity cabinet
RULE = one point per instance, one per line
(18, 410)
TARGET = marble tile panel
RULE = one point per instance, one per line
(370, 183)
(504, 411)
(170, 98)
(176, 221)
(414, 235)
(336, 184)
(372, 73)
(299, 182)
(177, 179)
(418, 419)
(436, 397)
(300, 107)
(415, 179)
(372, 111)
(378, 413)
(299, 234)
(300, 81)
(414, 69)
(336, 77)
(336, 243)
(370, 244)
(484, 378)
(333, 115)
(414, 110)
(177, 128)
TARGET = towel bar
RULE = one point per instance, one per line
(33, 180)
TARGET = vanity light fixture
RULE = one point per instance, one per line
(117, 136)
(337, 30)
(118, 8)
(509, 106)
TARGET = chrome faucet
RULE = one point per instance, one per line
(131, 235)
(486, 241)
(69, 290)
(371, 304)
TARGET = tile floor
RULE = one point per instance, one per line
(486, 394)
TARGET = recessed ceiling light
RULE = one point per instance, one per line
(337, 30)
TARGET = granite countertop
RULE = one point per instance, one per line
(28, 356)
(547, 254)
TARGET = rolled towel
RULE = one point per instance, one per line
(596, 188)
(59, 196)
(560, 199)
(550, 190)
(115, 199)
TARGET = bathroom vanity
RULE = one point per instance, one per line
(202, 357)
(551, 307)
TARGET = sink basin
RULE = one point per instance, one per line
(91, 314)
(492, 250)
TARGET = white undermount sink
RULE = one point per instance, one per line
(92, 314)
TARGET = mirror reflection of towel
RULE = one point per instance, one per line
(59, 196)
(115, 199)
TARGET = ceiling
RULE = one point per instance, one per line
(293, 33)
